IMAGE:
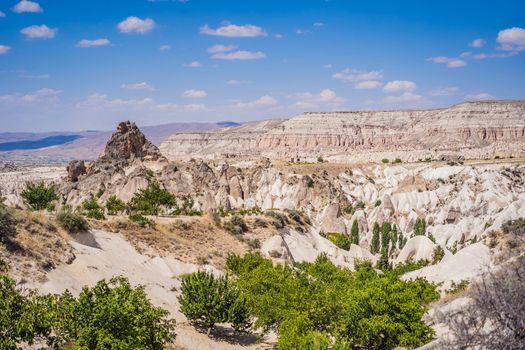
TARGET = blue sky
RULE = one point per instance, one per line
(72, 65)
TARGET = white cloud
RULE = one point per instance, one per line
(4, 49)
(318, 24)
(93, 43)
(447, 91)
(165, 47)
(265, 100)
(35, 77)
(42, 95)
(512, 39)
(194, 64)
(310, 100)
(327, 66)
(483, 56)
(194, 93)
(477, 43)
(450, 61)
(480, 96)
(39, 32)
(2, 14)
(278, 36)
(27, 6)
(301, 32)
(352, 75)
(234, 82)
(137, 86)
(234, 31)
(100, 101)
(404, 97)
(221, 48)
(134, 24)
(195, 107)
(239, 55)
(368, 84)
(399, 85)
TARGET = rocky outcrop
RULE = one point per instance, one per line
(473, 129)
(75, 169)
(128, 143)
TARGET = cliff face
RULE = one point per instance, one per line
(476, 129)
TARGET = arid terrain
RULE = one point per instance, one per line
(461, 178)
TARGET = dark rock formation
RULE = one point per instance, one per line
(128, 143)
(75, 169)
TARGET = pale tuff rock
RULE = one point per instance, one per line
(75, 169)
(417, 248)
(472, 130)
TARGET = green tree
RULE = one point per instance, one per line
(385, 237)
(39, 196)
(354, 233)
(394, 236)
(420, 227)
(151, 200)
(374, 245)
(206, 300)
(92, 209)
(114, 205)
(23, 318)
(115, 315)
(321, 306)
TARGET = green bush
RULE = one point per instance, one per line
(397, 160)
(206, 300)
(320, 159)
(437, 254)
(114, 205)
(151, 200)
(39, 196)
(113, 315)
(385, 160)
(457, 287)
(340, 240)
(320, 303)
(375, 244)
(378, 203)
(92, 209)
(141, 220)
(71, 222)
(184, 206)
(236, 225)
(309, 181)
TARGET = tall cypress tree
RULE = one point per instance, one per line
(354, 233)
(374, 245)
(385, 236)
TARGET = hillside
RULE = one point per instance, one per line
(476, 130)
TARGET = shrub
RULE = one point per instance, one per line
(259, 222)
(184, 206)
(115, 315)
(279, 219)
(114, 205)
(71, 222)
(397, 160)
(340, 240)
(457, 287)
(385, 160)
(7, 224)
(360, 205)
(141, 220)
(236, 225)
(92, 209)
(437, 254)
(206, 300)
(320, 159)
(151, 200)
(39, 196)
(378, 203)
(420, 227)
(309, 181)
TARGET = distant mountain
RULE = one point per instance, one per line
(61, 147)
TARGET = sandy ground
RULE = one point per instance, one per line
(103, 255)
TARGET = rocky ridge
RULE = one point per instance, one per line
(477, 130)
